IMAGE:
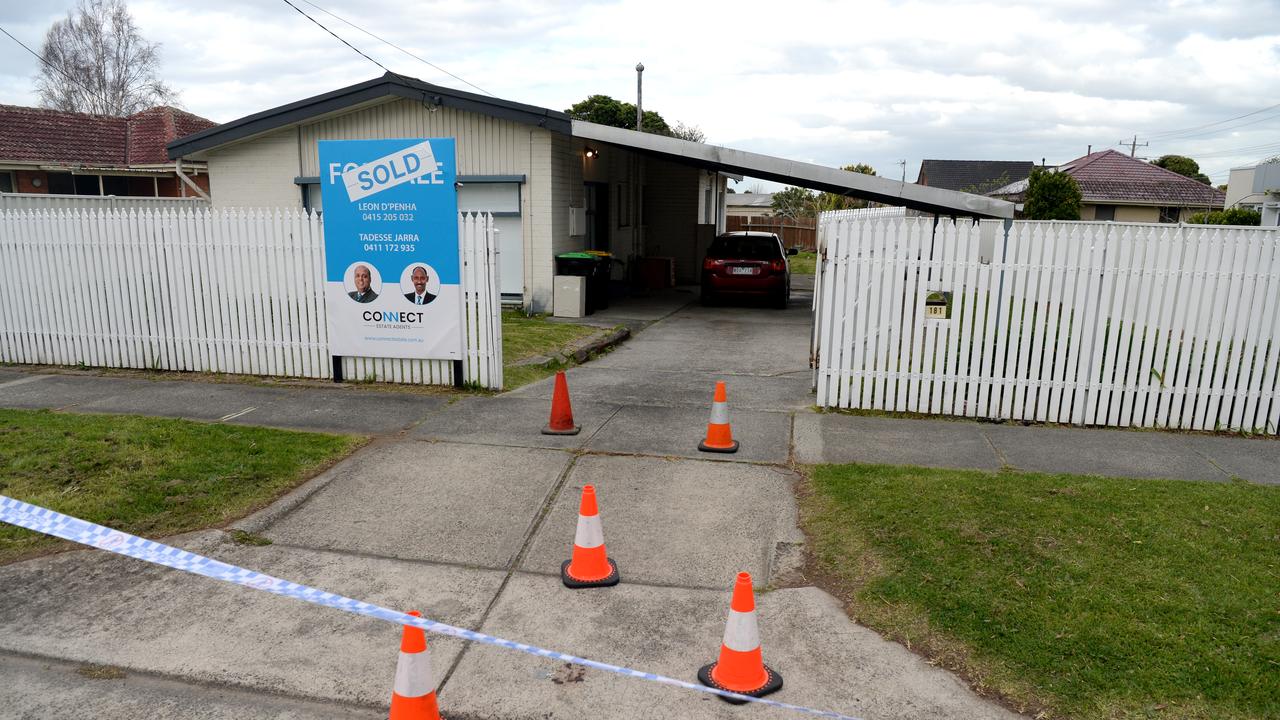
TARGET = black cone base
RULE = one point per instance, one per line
(773, 684)
(606, 581)
(571, 431)
(707, 448)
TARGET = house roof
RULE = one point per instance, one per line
(755, 200)
(57, 137)
(1112, 178)
(389, 85)
(710, 157)
(972, 175)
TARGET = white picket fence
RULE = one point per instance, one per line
(223, 291)
(1139, 325)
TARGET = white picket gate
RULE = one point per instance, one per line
(224, 291)
(1140, 325)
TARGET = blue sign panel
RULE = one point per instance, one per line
(392, 267)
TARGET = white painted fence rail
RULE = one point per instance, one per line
(1138, 325)
(223, 291)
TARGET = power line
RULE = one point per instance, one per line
(339, 37)
(397, 47)
(1165, 133)
(105, 103)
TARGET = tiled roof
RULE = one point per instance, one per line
(1113, 177)
(978, 176)
(65, 138)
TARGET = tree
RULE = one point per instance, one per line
(95, 61)
(1233, 216)
(605, 110)
(827, 201)
(688, 132)
(794, 202)
(1051, 195)
(1182, 165)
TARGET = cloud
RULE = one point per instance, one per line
(828, 81)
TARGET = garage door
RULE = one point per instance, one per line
(503, 200)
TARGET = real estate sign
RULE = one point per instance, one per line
(391, 248)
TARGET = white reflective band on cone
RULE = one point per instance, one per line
(741, 632)
(719, 413)
(590, 533)
(414, 676)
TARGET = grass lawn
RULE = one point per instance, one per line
(524, 337)
(804, 263)
(1080, 597)
(148, 476)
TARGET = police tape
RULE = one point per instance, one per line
(49, 522)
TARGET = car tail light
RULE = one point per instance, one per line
(711, 263)
(778, 265)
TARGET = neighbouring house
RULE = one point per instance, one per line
(1257, 188)
(972, 176)
(53, 152)
(1114, 186)
(748, 204)
(553, 184)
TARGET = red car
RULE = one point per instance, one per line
(747, 263)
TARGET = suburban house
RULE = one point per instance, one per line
(748, 204)
(1258, 188)
(554, 184)
(1114, 186)
(52, 152)
(972, 176)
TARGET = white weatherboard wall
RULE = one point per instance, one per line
(1141, 325)
(229, 291)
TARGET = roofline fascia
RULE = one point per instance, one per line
(386, 86)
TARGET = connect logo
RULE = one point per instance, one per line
(392, 317)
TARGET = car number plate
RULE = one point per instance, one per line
(743, 271)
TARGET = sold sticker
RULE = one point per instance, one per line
(402, 166)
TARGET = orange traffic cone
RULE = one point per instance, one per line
(719, 434)
(561, 422)
(590, 565)
(414, 694)
(741, 667)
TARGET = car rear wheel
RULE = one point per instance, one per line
(708, 297)
(781, 299)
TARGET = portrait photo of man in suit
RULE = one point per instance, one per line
(363, 293)
(419, 296)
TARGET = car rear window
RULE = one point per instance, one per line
(745, 248)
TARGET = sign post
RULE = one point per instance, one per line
(392, 269)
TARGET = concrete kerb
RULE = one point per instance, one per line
(266, 517)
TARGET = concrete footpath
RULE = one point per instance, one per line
(460, 508)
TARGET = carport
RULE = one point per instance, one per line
(668, 197)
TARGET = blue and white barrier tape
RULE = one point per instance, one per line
(44, 520)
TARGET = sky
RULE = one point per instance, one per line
(832, 83)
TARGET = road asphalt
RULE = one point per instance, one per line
(462, 509)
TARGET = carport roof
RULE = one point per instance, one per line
(792, 172)
(709, 157)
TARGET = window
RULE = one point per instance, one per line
(115, 185)
(62, 184)
(1169, 214)
(1104, 212)
(6, 182)
(87, 185)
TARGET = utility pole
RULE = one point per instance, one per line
(903, 163)
(1133, 145)
(639, 111)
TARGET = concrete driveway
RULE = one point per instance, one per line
(465, 512)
